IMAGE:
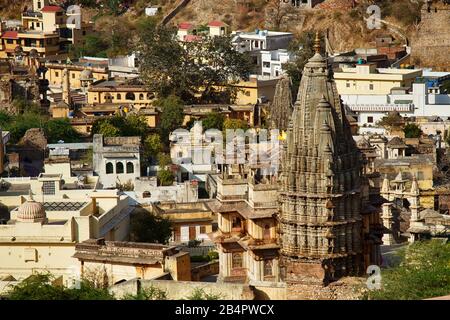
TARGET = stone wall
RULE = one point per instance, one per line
(344, 289)
(431, 44)
(177, 290)
(205, 270)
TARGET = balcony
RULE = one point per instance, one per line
(32, 14)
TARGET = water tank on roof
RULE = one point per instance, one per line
(257, 31)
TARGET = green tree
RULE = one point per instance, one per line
(106, 129)
(146, 227)
(172, 115)
(213, 121)
(192, 70)
(60, 129)
(424, 272)
(412, 130)
(120, 126)
(152, 146)
(41, 287)
(235, 124)
(165, 177)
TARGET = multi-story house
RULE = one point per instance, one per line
(247, 236)
(48, 29)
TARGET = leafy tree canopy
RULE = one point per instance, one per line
(165, 177)
(119, 126)
(41, 287)
(146, 227)
(190, 70)
(412, 130)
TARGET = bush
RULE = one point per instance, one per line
(151, 293)
(201, 294)
(213, 255)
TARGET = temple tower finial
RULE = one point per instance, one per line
(317, 43)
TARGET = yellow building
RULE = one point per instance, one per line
(46, 28)
(116, 261)
(44, 228)
(78, 77)
(366, 79)
(46, 44)
(120, 93)
(190, 221)
(256, 89)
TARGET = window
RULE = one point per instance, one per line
(119, 167)
(146, 194)
(268, 268)
(56, 74)
(266, 64)
(347, 84)
(30, 254)
(48, 187)
(73, 75)
(130, 96)
(39, 5)
(369, 119)
(141, 96)
(130, 167)
(119, 96)
(202, 229)
(109, 168)
(371, 86)
(236, 222)
(237, 260)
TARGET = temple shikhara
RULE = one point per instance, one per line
(320, 216)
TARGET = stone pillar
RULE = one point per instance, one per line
(387, 217)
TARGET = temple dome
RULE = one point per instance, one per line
(31, 211)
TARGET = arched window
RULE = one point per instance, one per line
(149, 96)
(146, 194)
(130, 167)
(130, 96)
(119, 167)
(141, 96)
(119, 96)
(109, 168)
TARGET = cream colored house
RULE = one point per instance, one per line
(45, 226)
(366, 79)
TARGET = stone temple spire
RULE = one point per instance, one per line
(320, 213)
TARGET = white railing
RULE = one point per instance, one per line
(404, 107)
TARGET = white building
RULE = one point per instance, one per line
(270, 63)
(116, 160)
(269, 49)
(420, 101)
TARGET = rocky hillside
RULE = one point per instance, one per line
(343, 20)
